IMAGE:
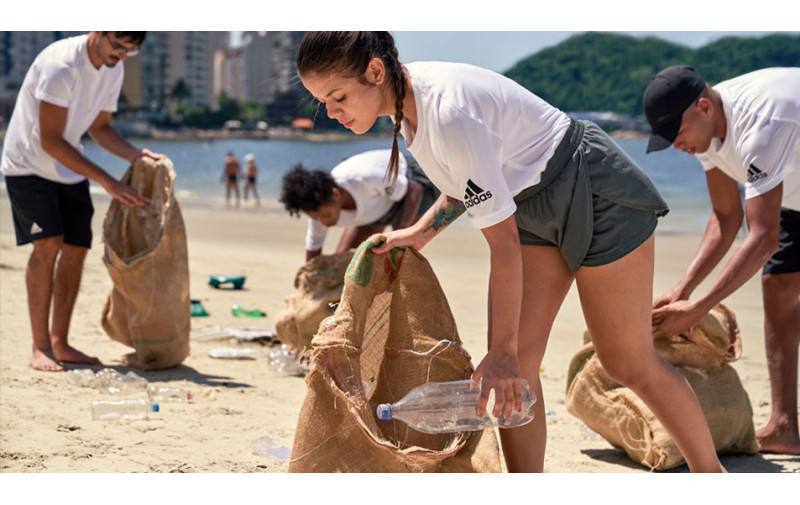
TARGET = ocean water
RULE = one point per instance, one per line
(198, 164)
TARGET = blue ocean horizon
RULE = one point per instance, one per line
(198, 165)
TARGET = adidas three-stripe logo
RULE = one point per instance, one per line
(36, 229)
(754, 174)
(474, 194)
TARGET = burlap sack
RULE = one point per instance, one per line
(318, 288)
(623, 419)
(146, 256)
(392, 331)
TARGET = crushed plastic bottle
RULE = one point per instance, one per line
(444, 407)
(82, 377)
(163, 394)
(241, 311)
(128, 408)
(111, 381)
(284, 362)
(232, 353)
(265, 446)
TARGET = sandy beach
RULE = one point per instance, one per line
(46, 424)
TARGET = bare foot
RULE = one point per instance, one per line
(44, 361)
(68, 354)
(778, 440)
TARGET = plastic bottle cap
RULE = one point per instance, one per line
(155, 407)
(384, 411)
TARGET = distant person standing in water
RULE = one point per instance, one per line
(230, 176)
(744, 130)
(72, 87)
(251, 172)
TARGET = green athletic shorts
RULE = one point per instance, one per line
(593, 202)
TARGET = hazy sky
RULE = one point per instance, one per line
(498, 51)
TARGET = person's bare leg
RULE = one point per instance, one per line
(352, 236)
(782, 337)
(39, 283)
(546, 281)
(66, 284)
(616, 301)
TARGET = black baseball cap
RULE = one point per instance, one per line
(666, 98)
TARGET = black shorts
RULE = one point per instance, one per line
(42, 208)
(786, 259)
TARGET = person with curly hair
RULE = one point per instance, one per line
(356, 195)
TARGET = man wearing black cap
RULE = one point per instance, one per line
(745, 130)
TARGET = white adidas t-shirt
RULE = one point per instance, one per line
(762, 143)
(61, 74)
(481, 137)
(363, 176)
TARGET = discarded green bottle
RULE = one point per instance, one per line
(241, 311)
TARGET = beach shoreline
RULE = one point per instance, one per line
(46, 425)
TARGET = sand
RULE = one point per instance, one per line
(46, 423)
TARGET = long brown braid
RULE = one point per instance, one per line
(349, 54)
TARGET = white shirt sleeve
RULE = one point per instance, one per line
(474, 152)
(769, 157)
(113, 94)
(315, 235)
(55, 84)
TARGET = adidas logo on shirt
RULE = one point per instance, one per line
(475, 195)
(754, 174)
(36, 229)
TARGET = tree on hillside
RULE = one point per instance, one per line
(609, 72)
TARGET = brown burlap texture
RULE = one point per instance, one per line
(623, 419)
(147, 258)
(318, 288)
(392, 331)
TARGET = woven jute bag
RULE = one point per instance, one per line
(703, 357)
(147, 258)
(318, 289)
(392, 331)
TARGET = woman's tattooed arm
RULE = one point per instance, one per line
(448, 211)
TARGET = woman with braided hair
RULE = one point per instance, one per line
(557, 201)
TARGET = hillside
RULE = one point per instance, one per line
(609, 72)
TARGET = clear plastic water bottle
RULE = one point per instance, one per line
(128, 408)
(111, 381)
(443, 407)
(162, 394)
(82, 377)
(284, 362)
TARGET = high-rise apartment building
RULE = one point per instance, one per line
(270, 58)
(174, 68)
(230, 73)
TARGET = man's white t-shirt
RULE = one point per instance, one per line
(364, 177)
(481, 137)
(762, 143)
(61, 74)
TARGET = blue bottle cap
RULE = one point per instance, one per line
(384, 411)
(155, 407)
